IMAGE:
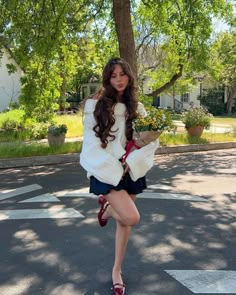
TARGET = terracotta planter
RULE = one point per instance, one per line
(195, 131)
(56, 139)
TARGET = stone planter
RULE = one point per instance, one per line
(195, 131)
(56, 139)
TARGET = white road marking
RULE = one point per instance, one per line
(159, 186)
(78, 195)
(19, 191)
(206, 281)
(145, 195)
(40, 213)
(65, 192)
(171, 196)
(48, 198)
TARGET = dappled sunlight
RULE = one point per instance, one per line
(4, 215)
(29, 241)
(226, 227)
(92, 240)
(178, 244)
(164, 251)
(45, 173)
(152, 283)
(212, 263)
(64, 289)
(215, 245)
(158, 218)
(19, 282)
(65, 222)
(90, 220)
(141, 241)
(199, 184)
(172, 234)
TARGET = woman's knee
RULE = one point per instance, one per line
(132, 219)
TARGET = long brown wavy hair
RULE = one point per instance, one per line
(107, 99)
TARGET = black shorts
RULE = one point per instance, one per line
(132, 187)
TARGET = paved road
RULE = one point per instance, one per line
(185, 243)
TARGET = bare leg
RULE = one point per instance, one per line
(122, 207)
(121, 241)
(124, 211)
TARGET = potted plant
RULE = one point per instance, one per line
(195, 120)
(56, 134)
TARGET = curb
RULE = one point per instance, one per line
(38, 160)
(195, 147)
(74, 158)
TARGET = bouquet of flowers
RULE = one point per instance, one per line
(148, 128)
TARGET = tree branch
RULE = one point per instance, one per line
(169, 83)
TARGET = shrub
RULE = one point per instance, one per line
(196, 117)
(57, 129)
(38, 131)
(11, 125)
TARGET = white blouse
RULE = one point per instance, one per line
(104, 164)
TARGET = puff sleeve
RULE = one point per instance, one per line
(93, 158)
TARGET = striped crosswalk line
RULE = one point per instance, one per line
(52, 212)
(39, 213)
(144, 195)
(47, 198)
(19, 191)
(206, 281)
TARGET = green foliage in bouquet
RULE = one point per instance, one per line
(156, 120)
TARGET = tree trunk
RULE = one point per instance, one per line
(230, 96)
(124, 30)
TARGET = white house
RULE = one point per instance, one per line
(10, 85)
(89, 89)
(179, 101)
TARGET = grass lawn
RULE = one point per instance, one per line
(73, 122)
(17, 149)
(12, 150)
(228, 120)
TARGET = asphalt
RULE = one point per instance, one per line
(74, 256)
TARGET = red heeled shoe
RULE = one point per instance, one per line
(119, 289)
(104, 204)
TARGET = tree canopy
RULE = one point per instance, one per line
(222, 66)
(59, 44)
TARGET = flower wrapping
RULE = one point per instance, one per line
(147, 129)
(143, 138)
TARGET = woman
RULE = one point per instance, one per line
(107, 129)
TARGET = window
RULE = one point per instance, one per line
(156, 101)
(185, 97)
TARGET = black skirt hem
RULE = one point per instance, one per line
(132, 187)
